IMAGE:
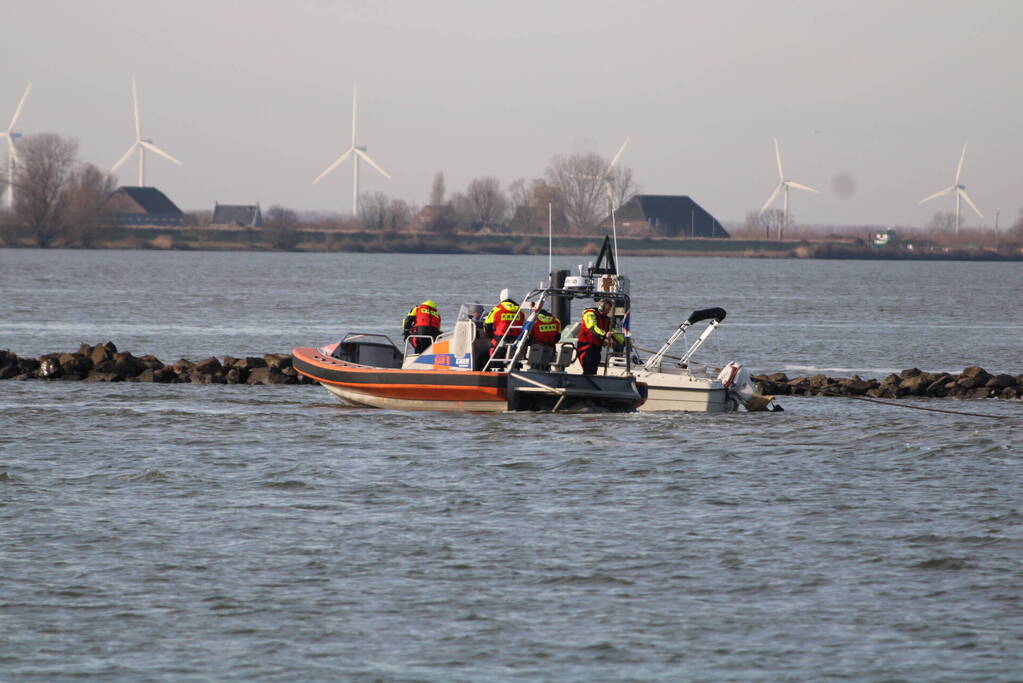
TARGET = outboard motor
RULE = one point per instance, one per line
(740, 386)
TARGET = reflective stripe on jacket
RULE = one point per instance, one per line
(546, 329)
(503, 316)
(427, 316)
(595, 327)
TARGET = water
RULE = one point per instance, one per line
(238, 533)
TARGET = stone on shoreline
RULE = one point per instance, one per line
(973, 382)
(104, 363)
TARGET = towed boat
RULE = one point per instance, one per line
(671, 386)
(457, 373)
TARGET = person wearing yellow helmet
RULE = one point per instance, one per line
(421, 322)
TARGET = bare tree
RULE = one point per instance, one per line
(377, 211)
(437, 191)
(579, 179)
(1016, 231)
(47, 160)
(85, 201)
(487, 205)
(623, 186)
(943, 222)
(758, 222)
(281, 227)
(532, 205)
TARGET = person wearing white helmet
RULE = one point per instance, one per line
(505, 317)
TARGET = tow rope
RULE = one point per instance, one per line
(903, 405)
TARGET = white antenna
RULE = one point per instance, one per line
(959, 188)
(359, 152)
(12, 150)
(550, 240)
(141, 144)
(783, 185)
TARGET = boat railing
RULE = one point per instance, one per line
(408, 344)
(509, 353)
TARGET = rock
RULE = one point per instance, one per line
(196, 376)
(1001, 381)
(915, 385)
(779, 377)
(857, 386)
(208, 366)
(127, 365)
(165, 375)
(973, 377)
(9, 371)
(909, 374)
(250, 363)
(979, 392)
(233, 376)
(151, 362)
(102, 352)
(229, 361)
(259, 376)
(277, 360)
(147, 375)
(75, 363)
(1008, 393)
(28, 366)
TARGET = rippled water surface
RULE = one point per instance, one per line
(224, 532)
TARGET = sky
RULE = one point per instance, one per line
(871, 101)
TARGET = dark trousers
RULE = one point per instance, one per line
(589, 357)
(419, 344)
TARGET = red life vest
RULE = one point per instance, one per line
(546, 329)
(427, 316)
(587, 333)
(506, 315)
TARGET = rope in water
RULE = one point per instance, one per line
(903, 405)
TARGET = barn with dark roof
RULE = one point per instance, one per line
(142, 206)
(664, 215)
(237, 215)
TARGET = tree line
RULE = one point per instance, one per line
(58, 198)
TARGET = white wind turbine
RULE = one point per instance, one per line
(141, 144)
(606, 179)
(960, 191)
(12, 150)
(359, 152)
(783, 185)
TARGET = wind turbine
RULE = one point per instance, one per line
(12, 150)
(606, 179)
(359, 152)
(960, 190)
(606, 176)
(141, 144)
(783, 185)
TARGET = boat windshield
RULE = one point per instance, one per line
(474, 312)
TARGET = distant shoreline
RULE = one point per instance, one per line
(238, 239)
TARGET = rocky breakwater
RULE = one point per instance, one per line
(973, 382)
(104, 363)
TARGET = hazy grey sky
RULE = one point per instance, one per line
(255, 97)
